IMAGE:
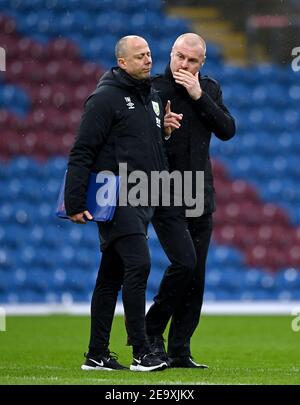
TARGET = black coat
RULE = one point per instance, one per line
(188, 146)
(122, 123)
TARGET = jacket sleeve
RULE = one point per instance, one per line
(93, 132)
(216, 115)
(162, 140)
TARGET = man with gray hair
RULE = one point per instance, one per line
(199, 99)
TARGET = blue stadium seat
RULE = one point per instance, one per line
(267, 282)
(225, 295)
(76, 281)
(14, 99)
(23, 166)
(220, 254)
(85, 260)
(29, 296)
(15, 236)
(256, 295)
(237, 95)
(213, 278)
(66, 257)
(287, 142)
(294, 95)
(229, 74)
(283, 295)
(6, 212)
(231, 278)
(38, 280)
(7, 260)
(55, 168)
(253, 278)
(288, 279)
(213, 51)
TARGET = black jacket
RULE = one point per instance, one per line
(188, 146)
(121, 123)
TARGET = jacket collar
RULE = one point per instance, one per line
(118, 77)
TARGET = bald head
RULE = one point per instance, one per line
(126, 43)
(133, 55)
(188, 53)
(191, 40)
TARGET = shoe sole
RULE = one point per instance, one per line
(178, 365)
(160, 367)
(96, 368)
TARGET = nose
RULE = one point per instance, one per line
(184, 64)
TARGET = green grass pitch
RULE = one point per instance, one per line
(238, 350)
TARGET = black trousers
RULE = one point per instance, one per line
(185, 315)
(125, 262)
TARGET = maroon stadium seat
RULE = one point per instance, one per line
(62, 48)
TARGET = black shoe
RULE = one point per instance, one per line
(185, 362)
(157, 347)
(148, 362)
(106, 362)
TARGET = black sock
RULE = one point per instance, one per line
(98, 352)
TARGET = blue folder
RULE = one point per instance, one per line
(102, 196)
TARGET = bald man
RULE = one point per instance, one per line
(199, 99)
(121, 124)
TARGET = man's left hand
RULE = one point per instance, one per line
(81, 217)
(190, 82)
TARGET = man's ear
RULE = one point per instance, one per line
(122, 63)
(203, 61)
